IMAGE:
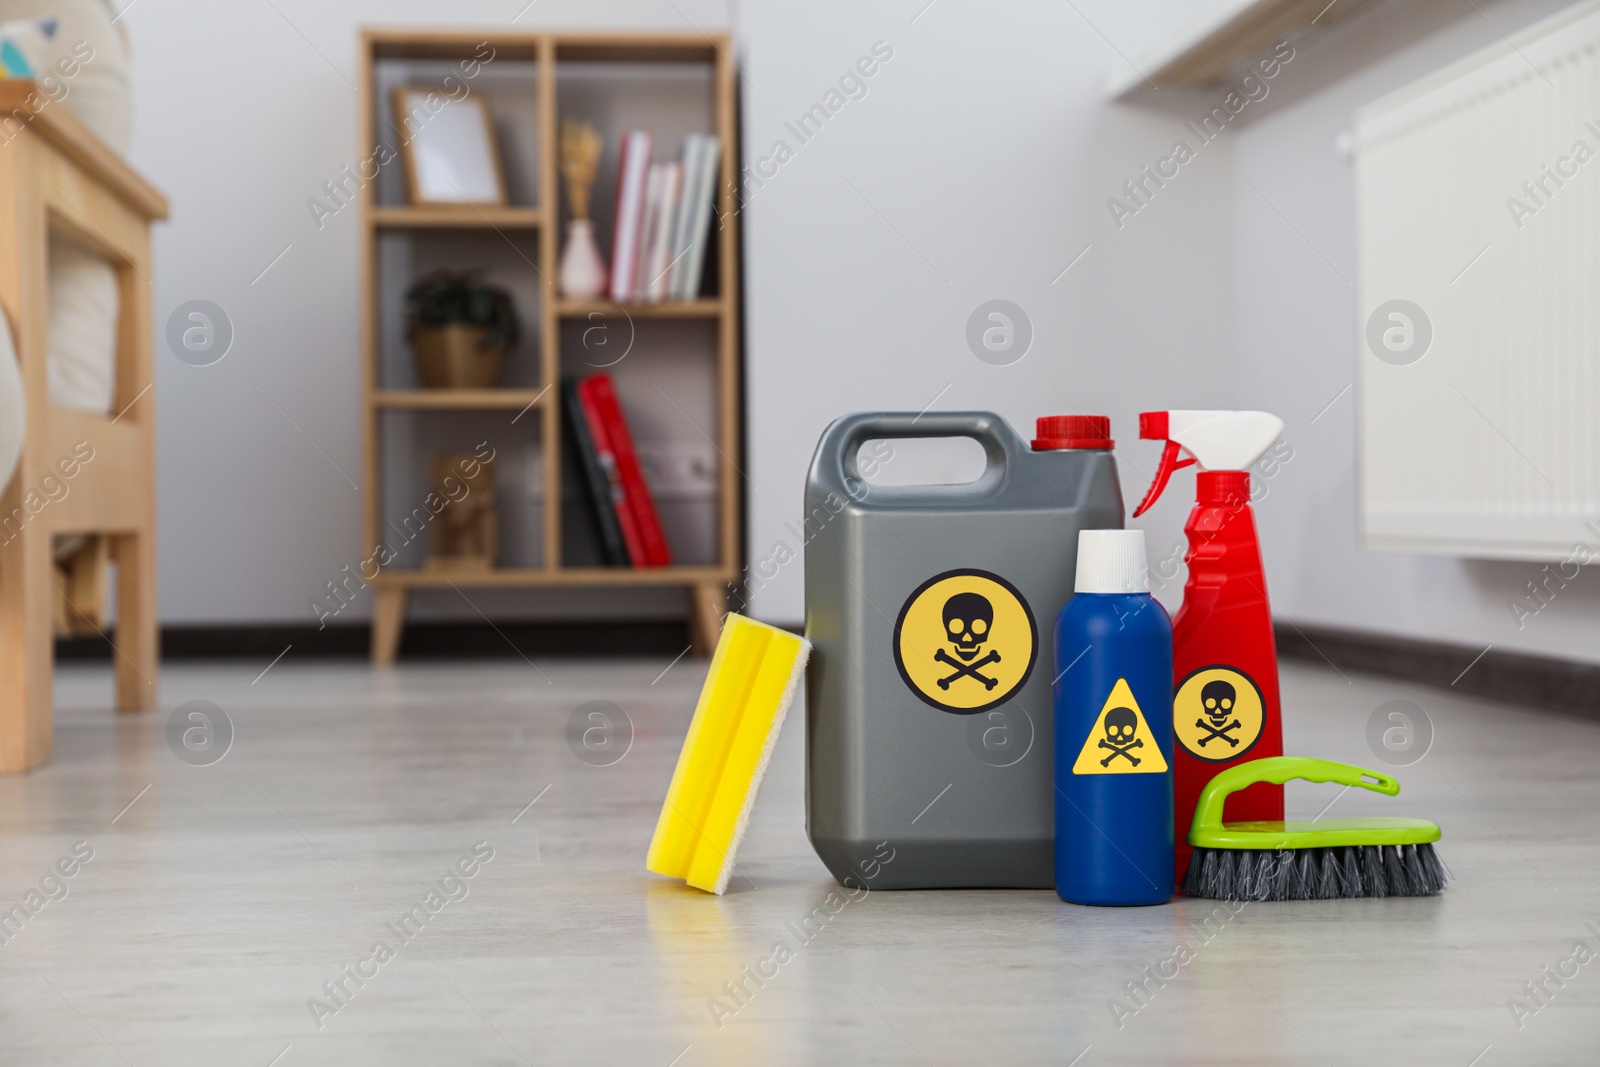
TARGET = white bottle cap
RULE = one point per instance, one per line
(1112, 561)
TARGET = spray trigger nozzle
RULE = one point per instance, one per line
(1217, 440)
(1169, 463)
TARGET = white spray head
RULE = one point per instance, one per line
(1216, 440)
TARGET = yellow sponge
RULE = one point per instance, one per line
(752, 682)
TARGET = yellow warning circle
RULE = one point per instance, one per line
(1120, 741)
(965, 641)
(1217, 714)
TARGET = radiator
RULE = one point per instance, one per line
(1478, 302)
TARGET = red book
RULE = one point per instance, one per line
(615, 492)
(636, 511)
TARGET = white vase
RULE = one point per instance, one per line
(583, 272)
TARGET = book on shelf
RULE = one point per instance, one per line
(633, 171)
(693, 152)
(597, 485)
(655, 264)
(702, 154)
(663, 219)
(626, 490)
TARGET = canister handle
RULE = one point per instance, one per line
(843, 440)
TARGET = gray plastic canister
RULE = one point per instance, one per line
(929, 745)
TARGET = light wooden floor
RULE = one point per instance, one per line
(226, 896)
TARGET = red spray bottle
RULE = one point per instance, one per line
(1225, 706)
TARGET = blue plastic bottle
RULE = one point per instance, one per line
(1113, 730)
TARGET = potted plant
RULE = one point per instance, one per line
(460, 329)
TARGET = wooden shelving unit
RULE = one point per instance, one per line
(678, 309)
(487, 217)
(457, 399)
(530, 227)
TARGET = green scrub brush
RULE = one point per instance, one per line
(1316, 860)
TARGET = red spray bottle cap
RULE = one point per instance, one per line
(1216, 440)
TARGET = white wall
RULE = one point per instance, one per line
(977, 166)
(1228, 289)
(1297, 343)
(242, 111)
(983, 140)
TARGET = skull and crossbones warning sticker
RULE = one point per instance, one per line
(965, 641)
(1120, 741)
(1217, 714)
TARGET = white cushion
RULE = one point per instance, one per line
(83, 327)
(13, 413)
(98, 93)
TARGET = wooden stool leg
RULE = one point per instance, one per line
(708, 603)
(27, 607)
(136, 640)
(388, 616)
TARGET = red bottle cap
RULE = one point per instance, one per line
(1073, 431)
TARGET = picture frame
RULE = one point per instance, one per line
(449, 147)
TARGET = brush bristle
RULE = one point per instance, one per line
(1315, 873)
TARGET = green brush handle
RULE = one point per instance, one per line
(1278, 770)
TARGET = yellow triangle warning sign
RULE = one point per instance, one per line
(1120, 741)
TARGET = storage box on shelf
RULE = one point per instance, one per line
(679, 379)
